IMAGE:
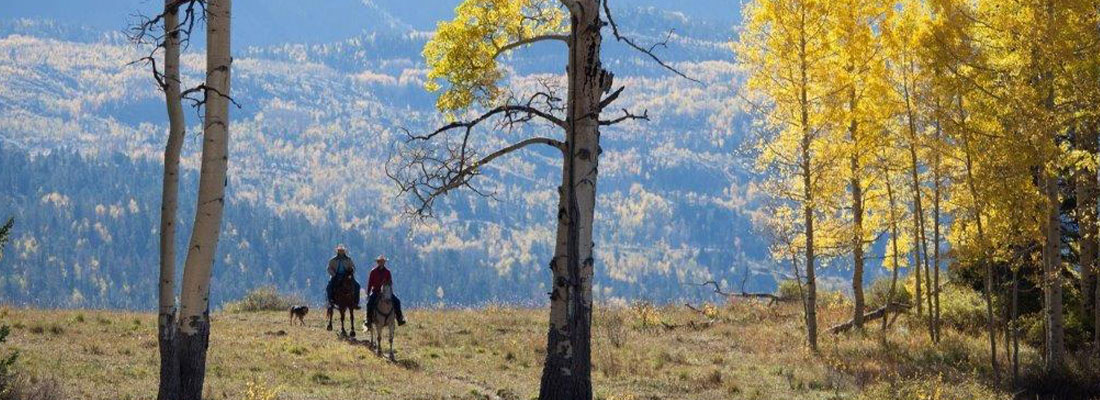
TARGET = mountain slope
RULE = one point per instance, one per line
(318, 124)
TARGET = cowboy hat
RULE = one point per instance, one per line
(380, 258)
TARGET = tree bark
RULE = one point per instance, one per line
(807, 185)
(894, 244)
(919, 232)
(194, 318)
(857, 216)
(857, 250)
(1015, 331)
(1052, 277)
(921, 249)
(166, 320)
(1086, 221)
(1052, 255)
(988, 269)
(936, 188)
(568, 368)
(918, 293)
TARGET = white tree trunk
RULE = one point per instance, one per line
(567, 371)
(194, 318)
(1052, 281)
(166, 321)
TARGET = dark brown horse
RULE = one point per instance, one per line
(344, 297)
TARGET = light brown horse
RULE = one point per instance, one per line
(384, 316)
(344, 298)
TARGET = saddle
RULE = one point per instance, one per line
(347, 283)
(372, 311)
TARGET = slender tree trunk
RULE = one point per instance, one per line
(936, 188)
(918, 293)
(919, 232)
(988, 295)
(1052, 277)
(1086, 221)
(568, 368)
(1052, 255)
(811, 282)
(1015, 328)
(894, 243)
(807, 186)
(166, 320)
(857, 225)
(798, 280)
(194, 323)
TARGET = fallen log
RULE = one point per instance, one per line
(772, 298)
(690, 324)
(871, 316)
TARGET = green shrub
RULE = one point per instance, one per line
(788, 290)
(265, 298)
(832, 298)
(880, 290)
(1031, 329)
(963, 308)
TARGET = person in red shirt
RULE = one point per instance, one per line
(380, 276)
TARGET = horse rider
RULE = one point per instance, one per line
(380, 276)
(339, 268)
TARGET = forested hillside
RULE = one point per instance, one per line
(316, 127)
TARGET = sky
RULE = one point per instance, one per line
(268, 22)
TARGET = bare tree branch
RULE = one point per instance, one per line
(611, 98)
(427, 177)
(627, 115)
(530, 40)
(147, 30)
(647, 51)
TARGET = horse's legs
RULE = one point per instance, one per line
(342, 331)
(392, 327)
(378, 339)
(370, 332)
(352, 312)
(329, 318)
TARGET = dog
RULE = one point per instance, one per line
(298, 312)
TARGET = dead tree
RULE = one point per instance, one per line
(430, 166)
(771, 297)
(881, 312)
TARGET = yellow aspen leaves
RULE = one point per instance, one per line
(462, 56)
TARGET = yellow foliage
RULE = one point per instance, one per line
(255, 391)
(710, 311)
(647, 314)
(462, 56)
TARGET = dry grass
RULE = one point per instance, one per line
(755, 352)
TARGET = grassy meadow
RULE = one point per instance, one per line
(743, 350)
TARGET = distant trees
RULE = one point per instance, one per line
(462, 61)
(5, 235)
(184, 338)
(987, 109)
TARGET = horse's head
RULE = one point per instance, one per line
(387, 292)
